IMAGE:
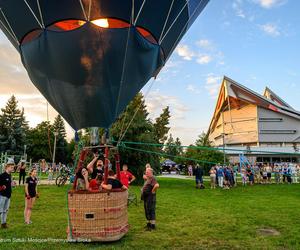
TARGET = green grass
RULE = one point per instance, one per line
(186, 219)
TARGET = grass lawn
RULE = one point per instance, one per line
(186, 219)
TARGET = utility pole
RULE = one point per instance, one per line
(54, 147)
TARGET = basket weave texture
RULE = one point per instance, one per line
(97, 216)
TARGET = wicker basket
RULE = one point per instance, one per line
(97, 216)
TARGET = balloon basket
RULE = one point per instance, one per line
(97, 216)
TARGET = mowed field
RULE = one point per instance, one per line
(252, 217)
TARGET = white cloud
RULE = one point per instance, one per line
(238, 9)
(205, 44)
(270, 29)
(268, 4)
(204, 59)
(212, 85)
(192, 88)
(156, 101)
(185, 52)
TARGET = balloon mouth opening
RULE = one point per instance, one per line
(73, 24)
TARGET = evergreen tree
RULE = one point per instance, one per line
(161, 128)
(13, 128)
(140, 130)
(170, 148)
(203, 140)
(59, 129)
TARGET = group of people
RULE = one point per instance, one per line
(90, 178)
(30, 191)
(228, 176)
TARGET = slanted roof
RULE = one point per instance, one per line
(234, 95)
(275, 98)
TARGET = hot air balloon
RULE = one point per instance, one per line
(89, 58)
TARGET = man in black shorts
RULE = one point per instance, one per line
(149, 197)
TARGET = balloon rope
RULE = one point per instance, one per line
(182, 31)
(12, 31)
(85, 16)
(124, 63)
(40, 11)
(35, 17)
(138, 14)
(135, 113)
(9, 32)
(168, 155)
(207, 148)
(167, 19)
(178, 17)
(175, 20)
(90, 7)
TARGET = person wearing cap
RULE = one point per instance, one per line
(5, 191)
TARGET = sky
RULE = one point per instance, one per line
(254, 42)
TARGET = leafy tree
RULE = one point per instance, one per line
(40, 139)
(205, 154)
(161, 128)
(13, 128)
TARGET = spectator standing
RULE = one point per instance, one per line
(198, 176)
(22, 172)
(149, 198)
(5, 191)
(126, 177)
(30, 195)
(212, 175)
(220, 176)
(190, 170)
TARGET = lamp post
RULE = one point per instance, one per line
(54, 148)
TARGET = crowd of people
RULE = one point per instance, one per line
(89, 178)
(228, 176)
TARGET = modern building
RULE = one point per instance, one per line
(263, 127)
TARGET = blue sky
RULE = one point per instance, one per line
(254, 42)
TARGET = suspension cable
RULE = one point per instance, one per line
(135, 113)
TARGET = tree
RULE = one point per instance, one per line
(173, 148)
(204, 154)
(203, 140)
(38, 142)
(161, 128)
(13, 128)
(140, 130)
(61, 143)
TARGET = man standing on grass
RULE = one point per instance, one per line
(149, 197)
(5, 191)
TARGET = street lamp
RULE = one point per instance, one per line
(54, 147)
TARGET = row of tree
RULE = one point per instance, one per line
(133, 125)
